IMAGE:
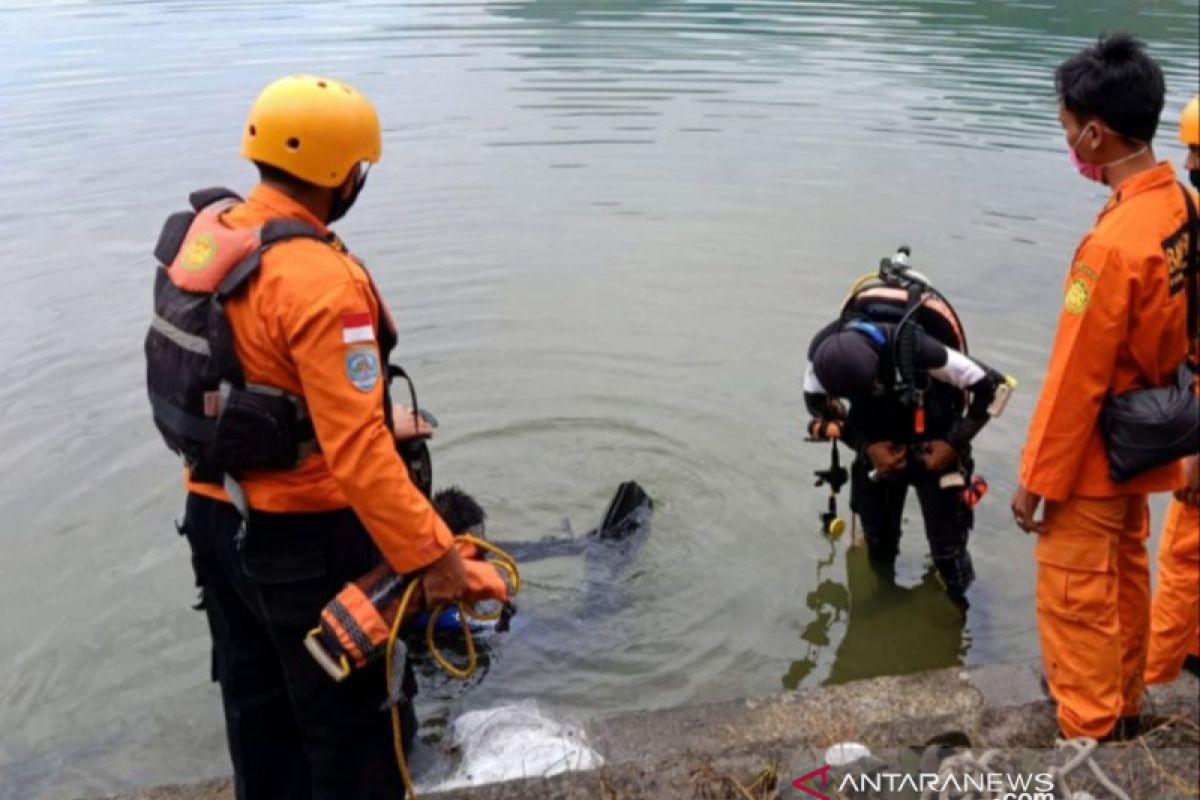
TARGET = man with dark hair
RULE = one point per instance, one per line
(1122, 327)
(1117, 84)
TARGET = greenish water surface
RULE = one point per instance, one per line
(608, 229)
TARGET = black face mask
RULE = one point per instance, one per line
(1194, 177)
(338, 206)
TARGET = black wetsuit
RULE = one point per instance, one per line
(941, 378)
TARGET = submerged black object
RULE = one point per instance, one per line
(625, 520)
(627, 512)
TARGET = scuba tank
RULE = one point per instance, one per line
(899, 295)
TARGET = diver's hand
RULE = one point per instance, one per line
(887, 457)
(404, 427)
(938, 456)
(835, 410)
(1190, 493)
(822, 430)
(1024, 506)
(445, 580)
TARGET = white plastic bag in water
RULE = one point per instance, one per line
(512, 742)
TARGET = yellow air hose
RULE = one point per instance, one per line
(860, 283)
(502, 561)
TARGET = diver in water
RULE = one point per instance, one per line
(385, 616)
(916, 400)
(606, 549)
(360, 624)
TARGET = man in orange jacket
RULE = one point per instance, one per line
(1122, 326)
(1175, 609)
(276, 393)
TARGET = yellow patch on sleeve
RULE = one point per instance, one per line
(1077, 297)
(1084, 270)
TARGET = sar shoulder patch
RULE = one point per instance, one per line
(198, 252)
(362, 367)
(1078, 296)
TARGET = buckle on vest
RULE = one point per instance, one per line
(871, 330)
(212, 404)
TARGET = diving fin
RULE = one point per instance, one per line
(629, 509)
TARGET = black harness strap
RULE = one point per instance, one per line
(273, 232)
(202, 198)
(224, 356)
(236, 278)
(277, 230)
(351, 627)
(170, 239)
(905, 344)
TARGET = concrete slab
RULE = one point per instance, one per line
(719, 750)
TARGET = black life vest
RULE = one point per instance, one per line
(202, 404)
(204, 408)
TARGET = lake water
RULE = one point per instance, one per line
(608, 229)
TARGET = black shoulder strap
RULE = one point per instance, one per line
(170, 239)
(206, 197)
(904, 343)
(278, 230)
(273, 232)
(1191, 273)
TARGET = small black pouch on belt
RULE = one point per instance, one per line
(259, 431)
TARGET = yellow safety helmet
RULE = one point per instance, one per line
(314, 128)
(1189, 123)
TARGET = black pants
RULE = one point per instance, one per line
(294, 733)
(948, 521)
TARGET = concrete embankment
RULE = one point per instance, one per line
(720, 750)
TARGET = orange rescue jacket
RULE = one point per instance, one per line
(306, 324)
(1123, 326)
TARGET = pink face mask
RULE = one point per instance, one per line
(1095, 172)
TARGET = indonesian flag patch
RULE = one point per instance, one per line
(357, 327)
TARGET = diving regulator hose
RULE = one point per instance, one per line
(502, 561)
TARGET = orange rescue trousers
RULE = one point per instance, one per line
(1093, 609)
(1175, 614)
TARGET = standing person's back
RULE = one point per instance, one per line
(1122, 327)
(267, 368)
